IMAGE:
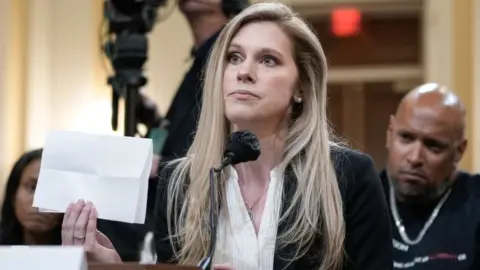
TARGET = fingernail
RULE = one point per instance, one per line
(89, 203)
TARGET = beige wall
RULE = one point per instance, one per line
(13, 38)
(450, 50)
(4, 152)
(476, 88)
(438, 68)
(60, 74)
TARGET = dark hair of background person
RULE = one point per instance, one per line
(11, 231)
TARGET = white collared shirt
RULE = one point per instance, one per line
(238, 245)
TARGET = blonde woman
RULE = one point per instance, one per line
(306, 203)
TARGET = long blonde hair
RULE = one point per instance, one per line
(316, 204)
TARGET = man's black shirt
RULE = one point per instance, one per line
(452, 241)
(185, 108)
(183, 114)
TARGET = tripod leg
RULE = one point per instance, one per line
(130, 106)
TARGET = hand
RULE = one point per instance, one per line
(146, 111)
(155, 164)
(222, 267)
(79, 228)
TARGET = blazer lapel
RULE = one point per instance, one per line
(282, 259)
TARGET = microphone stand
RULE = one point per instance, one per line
(206, 263)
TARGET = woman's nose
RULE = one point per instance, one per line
(246, 72)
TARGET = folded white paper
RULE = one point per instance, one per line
(110, 171)
(42, 258)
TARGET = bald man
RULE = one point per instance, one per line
(435, 208)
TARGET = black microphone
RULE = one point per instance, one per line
(243, 146)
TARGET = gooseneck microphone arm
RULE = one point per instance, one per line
(227, 160)
(206, 263)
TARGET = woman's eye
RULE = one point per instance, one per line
(270, 61)
(234, 58)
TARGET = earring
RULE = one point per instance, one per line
(298, 99)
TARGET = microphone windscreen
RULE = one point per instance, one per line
(243, 147)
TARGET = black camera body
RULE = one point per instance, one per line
(129, 21)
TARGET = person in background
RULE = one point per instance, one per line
(21, 224)
(206, 19)
(305, 203)
(434, 205)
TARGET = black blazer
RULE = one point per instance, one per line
(368, 242)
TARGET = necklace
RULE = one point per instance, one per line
(401, 227)
(250, 207)
(250, 212)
